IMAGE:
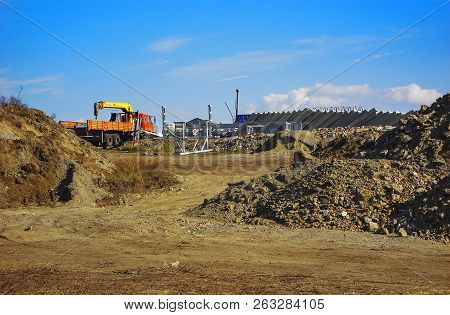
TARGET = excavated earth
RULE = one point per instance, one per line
(423, 136)
(41, 163)
(289, 222)
(402, 188)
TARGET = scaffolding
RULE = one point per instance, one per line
(201, 145)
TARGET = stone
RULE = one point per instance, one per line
(384, 152)
(405, 138)
(389, 227)
(372, 226)
(402, 232)
(300, 158)
(397, 188)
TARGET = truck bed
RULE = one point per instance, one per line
(108, 125)
(98, 125)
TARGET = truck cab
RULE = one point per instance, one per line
(148, 122)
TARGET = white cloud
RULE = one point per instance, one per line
(275, 101)
(333, 41)
(232, 78)
(170, 43)
(250, 108)
(331, 89)
(249, 61)
(45, 90)
(412, 93)
(348, 95)
(386, 54)
(38, 85)
(147, 65)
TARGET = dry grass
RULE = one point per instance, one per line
(138, 176)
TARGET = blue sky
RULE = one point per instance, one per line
(187, 54)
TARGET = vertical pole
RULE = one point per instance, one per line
(163, 116)
(208, 125)
(138, 135)
(237, 104)
(207, 136)
(184, 137)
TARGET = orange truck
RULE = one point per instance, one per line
(123, 126)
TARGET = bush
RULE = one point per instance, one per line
(11, 101)
(137, 176)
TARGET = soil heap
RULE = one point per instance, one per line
(405, 192)
(428, 214)
(340, 194)
(238, 144)
(423, 136)
(41, 163)
(347, 142)
(149, 146)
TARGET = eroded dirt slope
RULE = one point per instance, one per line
(41, 163)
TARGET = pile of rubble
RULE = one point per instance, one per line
(428, 214)
(293, 140)
(422, 136)
(347, 142)
(394, 182)
(238, 144)
(342, 194)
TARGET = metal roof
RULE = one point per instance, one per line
(312, 119)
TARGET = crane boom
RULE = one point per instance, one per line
(125, 107)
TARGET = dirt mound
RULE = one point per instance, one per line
(423, 136)
(290, 140)
(428, 214)
(149, 146)
(344, 194)
(347, 142)
(138, 176)
(238, 144)
(41, 163)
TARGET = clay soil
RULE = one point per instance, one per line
(149, 246)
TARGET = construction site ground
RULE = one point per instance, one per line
(149, 246)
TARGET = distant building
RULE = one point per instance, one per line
(197, 127)
(240, 119)
(320, 117)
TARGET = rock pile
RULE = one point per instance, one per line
(238, 144)
(428, 214)
(342, 194)
(423, 136)
(347, 142)
(289, 140)
(394, 182)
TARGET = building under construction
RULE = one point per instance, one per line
(314, 118)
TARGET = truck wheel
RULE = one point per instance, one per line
(116, 141)
(108, 141)
(105, 142)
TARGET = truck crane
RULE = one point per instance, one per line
(122, 126)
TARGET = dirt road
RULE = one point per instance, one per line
(150, 247)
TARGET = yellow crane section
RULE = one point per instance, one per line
(125, 107)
